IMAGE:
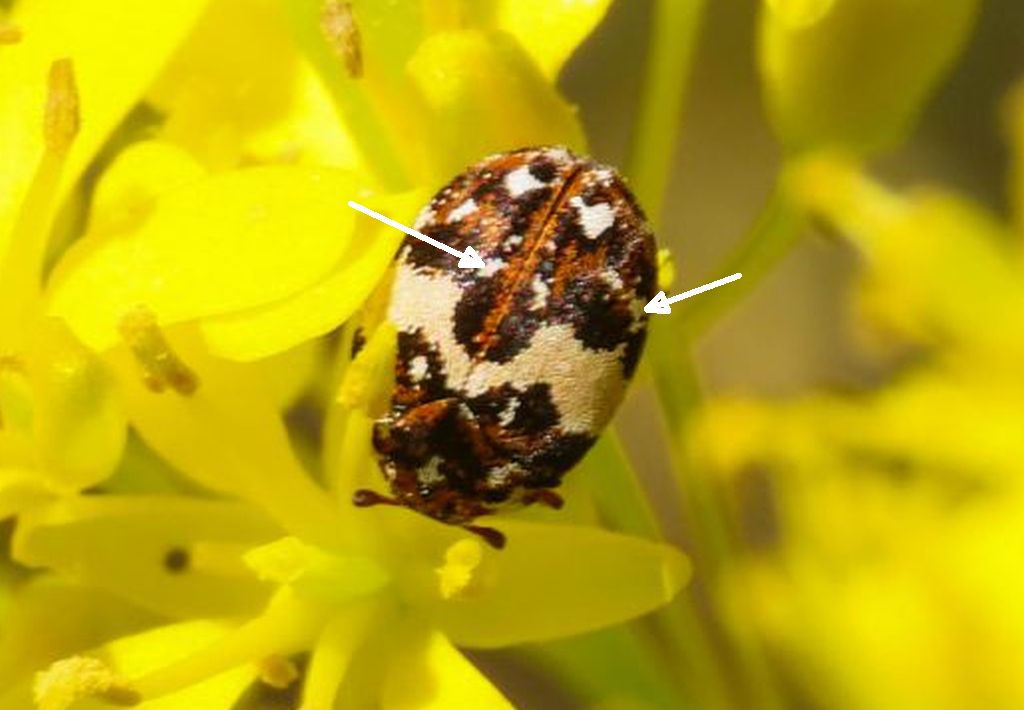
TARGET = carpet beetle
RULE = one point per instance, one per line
(506, 375)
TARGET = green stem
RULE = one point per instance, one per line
(676, 25)
(768, 241)
(676, 28)
(617, 491)
(772, 236)
(685, 622)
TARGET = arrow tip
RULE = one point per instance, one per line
(471, 260)
(659, 305)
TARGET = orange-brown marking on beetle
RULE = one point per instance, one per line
(522, 270)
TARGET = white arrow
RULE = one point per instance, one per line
(662, 305)
(468, 260)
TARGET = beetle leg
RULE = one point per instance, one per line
(364, 498)
(494, 538)
(544, 496)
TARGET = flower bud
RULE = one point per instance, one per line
(855, 73)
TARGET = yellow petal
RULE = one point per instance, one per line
(78, 424)
(284, 628)
(230, 242)
(20, 489)
(148, 550)
(550, 31)
(427, 672)
(129, 188)
(936, 265)
(76, 618)
(320, 308)
(484, 94)
(115, 59)
(333, 653)
(227, 434)
(226, 103)
(335, 579)
(147, 652)
(549, 581)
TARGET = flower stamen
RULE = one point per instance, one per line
(61, 118)
(72, 679)
(21, 270)
(458, 576)
(338, 25)
(278, 672)
(161, 367)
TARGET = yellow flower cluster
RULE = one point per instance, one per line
(174, 241)
(879, 531)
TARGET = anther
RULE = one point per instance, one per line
(338, 25)
(278, 672)
(161, 367)
(60, 120)
(458, 577)
(78, 677)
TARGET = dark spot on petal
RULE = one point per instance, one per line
(177, 560)
(358, 341)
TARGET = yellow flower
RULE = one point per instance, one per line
(882, 575)
(939, 268)
(349, 585)
(217, 251)
(61, 428)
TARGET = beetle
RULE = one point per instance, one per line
(506, 375)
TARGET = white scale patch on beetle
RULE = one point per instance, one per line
(612, 278)
(586, 385)
(594, 219)
(464, 210)
(541, 291)
(430, 473)
(425, 217)
(418, 367)
(521, 181)
(499, 476)
(492, 267)
(508, 414)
